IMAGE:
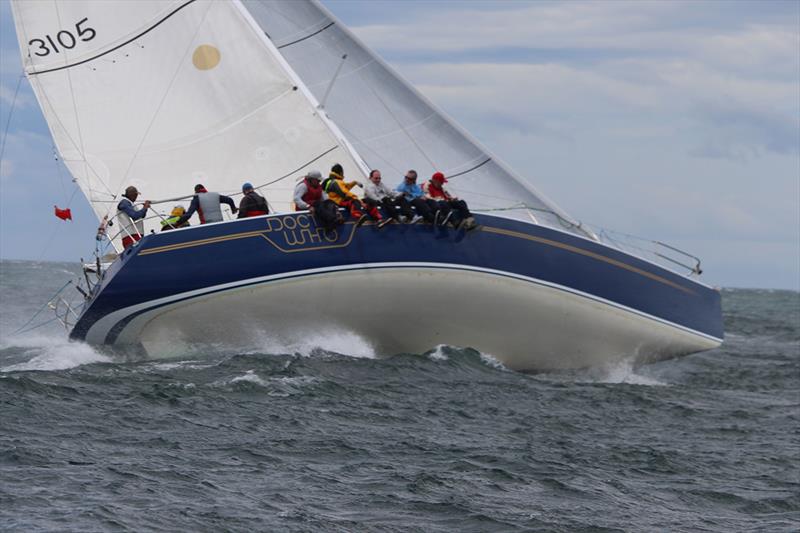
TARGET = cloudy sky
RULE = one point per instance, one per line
(677, 121)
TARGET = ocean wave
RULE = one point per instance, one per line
(44, 353)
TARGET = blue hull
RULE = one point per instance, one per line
(169, 266)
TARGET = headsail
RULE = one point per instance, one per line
(163, 94)
(390, 124)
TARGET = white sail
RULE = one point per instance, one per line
(164, 94)
(389, 123)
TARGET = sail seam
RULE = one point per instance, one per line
(148, 30)
(306, 37)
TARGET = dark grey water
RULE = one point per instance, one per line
(331, 438)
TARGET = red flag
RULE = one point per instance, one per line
(63, 214)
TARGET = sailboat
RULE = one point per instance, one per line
(164, 94)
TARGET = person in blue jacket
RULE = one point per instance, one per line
(416, 197)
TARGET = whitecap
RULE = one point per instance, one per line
(438, 353)
(50, 353)
(492, 361)
(622, 372)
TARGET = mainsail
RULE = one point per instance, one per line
(391, 125)
(164, 94)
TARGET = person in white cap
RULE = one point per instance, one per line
(308, 192)
(308, 195)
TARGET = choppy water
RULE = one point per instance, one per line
(331, 438)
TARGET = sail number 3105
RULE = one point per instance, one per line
(65, 38)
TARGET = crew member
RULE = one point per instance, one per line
(416, 197)
(172, 222)
(376, 193)
(339, 192)
(451, 209)
(207, 205)
(132, 220)
(308, 192)
(252, 203)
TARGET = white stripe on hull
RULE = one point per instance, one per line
(525, 325)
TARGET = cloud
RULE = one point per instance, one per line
(11, 98)
(23, 150)
(7, 168)
(724, 77)
(742, 134)
(709, 31)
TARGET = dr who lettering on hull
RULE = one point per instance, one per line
(267, 91)
(300, 232)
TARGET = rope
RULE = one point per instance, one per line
(42, 309)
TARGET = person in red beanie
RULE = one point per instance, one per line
(450, 208)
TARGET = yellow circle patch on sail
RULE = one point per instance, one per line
(205, 57)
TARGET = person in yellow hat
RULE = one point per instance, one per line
(172, 222)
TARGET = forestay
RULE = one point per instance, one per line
(165, 94)
(390, 124)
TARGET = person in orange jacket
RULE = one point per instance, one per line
(338, 190)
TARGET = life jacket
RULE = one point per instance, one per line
(435, 192)
(255, 205)
(337, 189)
(313, 194)
(130, 227)
(208, 209)
(169, 223)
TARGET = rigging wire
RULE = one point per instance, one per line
(60, 174)
(58, 226)
(46, 98)
(10, 114)
(74, 106)
(163, 98)
(37, 313)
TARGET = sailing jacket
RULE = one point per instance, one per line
(411, 191)
(253, 205)
(339, 190)
(132, 220)
(378, 191)
(207, 206)
(436, 193)
(306, 195)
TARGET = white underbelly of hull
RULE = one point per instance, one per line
(525, 325)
